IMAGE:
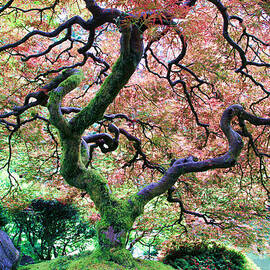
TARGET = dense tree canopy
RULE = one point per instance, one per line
(163, 100)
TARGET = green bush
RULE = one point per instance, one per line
(49, 228)
(207, 256)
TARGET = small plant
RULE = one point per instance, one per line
(207, 256)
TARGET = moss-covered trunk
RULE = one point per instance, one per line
(112, 238)
(117, 216)
(112, 248)
(117, 219)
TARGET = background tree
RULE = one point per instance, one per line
(207, 55)
(48, 228)
(3, 217)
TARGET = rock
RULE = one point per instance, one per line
(9, 255)
(26, 260)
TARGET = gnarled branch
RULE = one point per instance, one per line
(189, 164)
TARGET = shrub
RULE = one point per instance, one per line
(48, 228)
(207, 256)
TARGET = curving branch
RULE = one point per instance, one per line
(55, 33)
(41, 10)
(189, 164)
(7, 5)
(244, 61)
(73, 79)
(41, 98)
(171, 73)
(107, 144)
(100, 17)
(50, 47)
(208, 220)
(104, 141)
(189, 91)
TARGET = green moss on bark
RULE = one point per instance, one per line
(122, 70)
(123, 257)
(66, 85)
(117, 216)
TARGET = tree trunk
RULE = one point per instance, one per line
(117, 216)
(117, 220)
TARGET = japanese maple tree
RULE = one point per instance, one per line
(193, 62)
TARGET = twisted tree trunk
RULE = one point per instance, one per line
(117, 217)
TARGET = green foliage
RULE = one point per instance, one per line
(48, 228)
(208, 256)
